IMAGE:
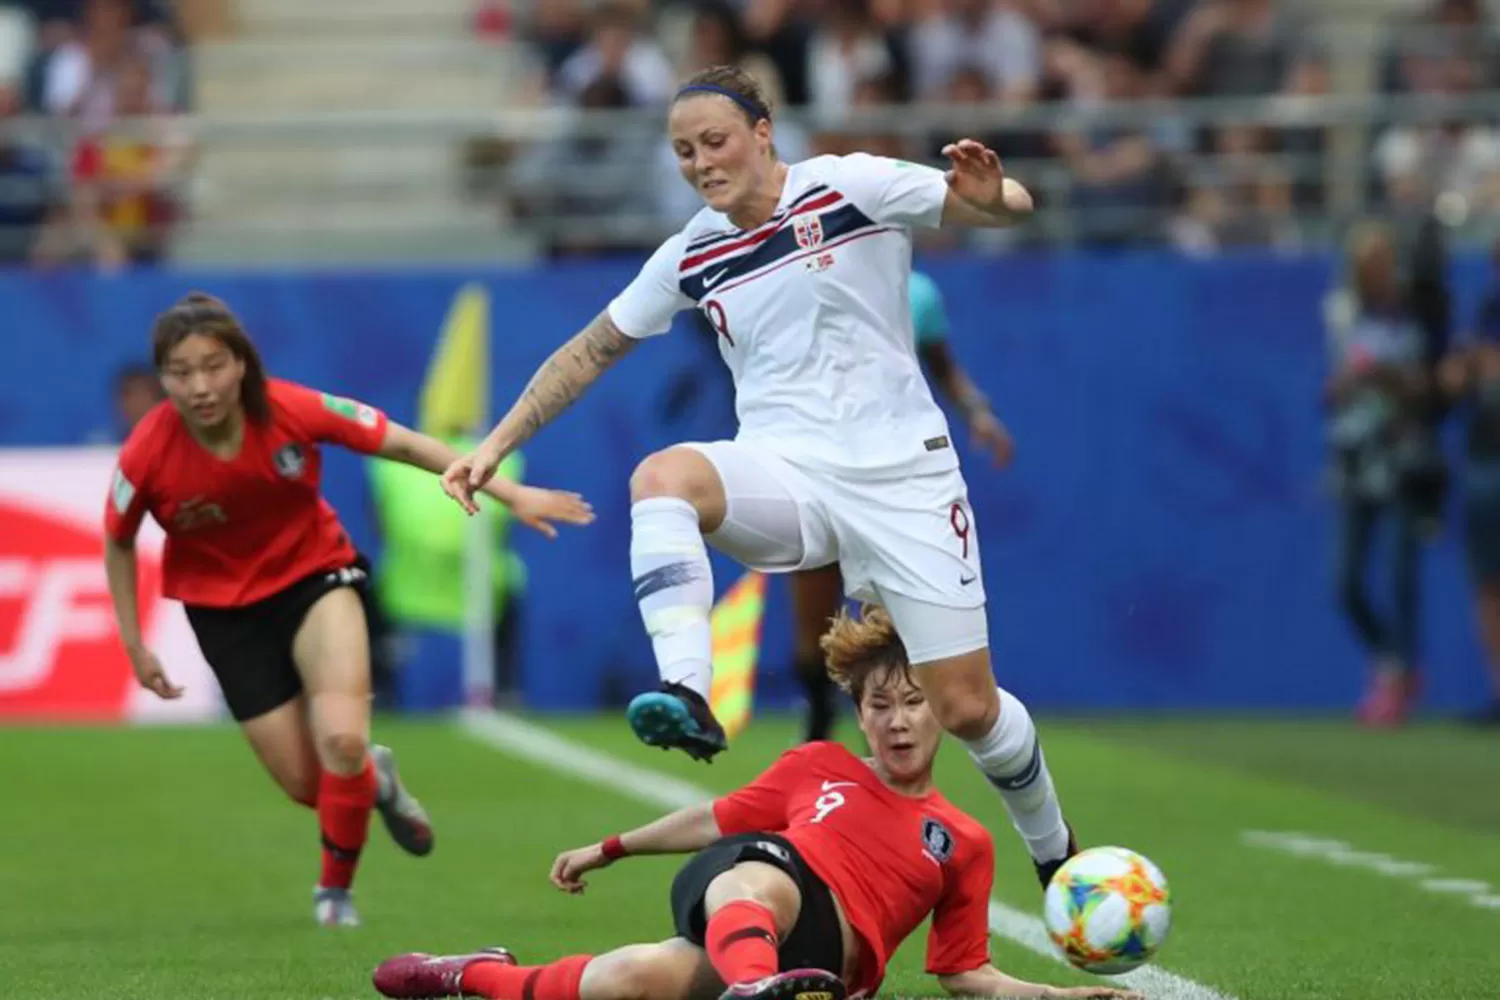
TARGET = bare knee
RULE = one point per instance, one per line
(644, 972)
(633, 975)
(684, 474)
(965, 706)
(342, 752)
(757, 882)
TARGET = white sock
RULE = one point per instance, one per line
(674, 586)
(1011, 758)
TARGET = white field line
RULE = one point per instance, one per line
(1337, 852)
(542, 746)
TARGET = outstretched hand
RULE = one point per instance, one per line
(537, 508)
(570, 867)
(469, 473)
(976, 175)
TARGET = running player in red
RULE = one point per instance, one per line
(804, 882)
(229, 466)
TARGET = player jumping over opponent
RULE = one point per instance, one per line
(229, 467)
(817, 594)
(841, 457)
(804, 882)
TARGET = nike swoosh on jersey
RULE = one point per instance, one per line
(830, 785)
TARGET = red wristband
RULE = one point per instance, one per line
(613, 849)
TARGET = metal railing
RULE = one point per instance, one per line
(549, 172)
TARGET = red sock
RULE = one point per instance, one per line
(344, 805)
(741, 942)
(499, 981)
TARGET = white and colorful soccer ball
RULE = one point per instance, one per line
(1109, 910)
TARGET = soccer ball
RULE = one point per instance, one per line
(1109, 910)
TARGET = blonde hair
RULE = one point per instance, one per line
(859, 650)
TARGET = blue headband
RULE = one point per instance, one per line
(756, 114)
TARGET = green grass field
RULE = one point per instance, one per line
(161, 864)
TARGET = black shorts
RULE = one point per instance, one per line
(816, 941)
(250, 648)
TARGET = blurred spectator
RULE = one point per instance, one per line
(27, 191)
(617, 50)
(1121, 176)
(1461, 159)
(1139, 29)
(716, 37)
(82, 78)
(1472, 374)
(1424, 50)
(1238, 198)
(1245, 48)
(874, 92)
(420, 585)
(137, 391)
(970, 88)
(593, 176)
(557, 29)
(1379, 437)
(17, 34)
(123, 203)
(848, 46)
(994, 38)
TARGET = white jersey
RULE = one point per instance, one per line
(812, 315)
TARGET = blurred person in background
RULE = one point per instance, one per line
(1380, 437)
(1142, 30)
(717, 37)
(1425, 45)
(137, 391)
(997, 39)
(1239, 198)
(1447, 157)
(1245, 48)
(28, 192)
(555, 29)
(81, 78)
(1471, 374)
(586, 184)
(817, 595)
(846, 45)
(421, 582)
(617, 49)
(124, 201)
(1121, 175)
(869, 94)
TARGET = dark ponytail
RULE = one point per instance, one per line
(201, 313)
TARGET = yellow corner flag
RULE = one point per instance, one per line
(455, 395)
(736, 625)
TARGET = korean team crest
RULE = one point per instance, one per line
(808, 228)
(290, 460)
(936, 840)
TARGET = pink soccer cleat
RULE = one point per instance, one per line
(418, 976)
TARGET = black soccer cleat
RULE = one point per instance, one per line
(1046, 869)
(677, 716)
(795, 984)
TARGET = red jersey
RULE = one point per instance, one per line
(241, 529)
(890, 859)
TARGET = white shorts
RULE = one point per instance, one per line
(909, 545)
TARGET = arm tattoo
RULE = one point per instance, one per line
(564, 376)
